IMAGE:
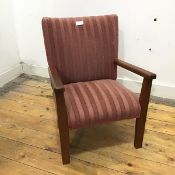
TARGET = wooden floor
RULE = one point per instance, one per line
(29, 143)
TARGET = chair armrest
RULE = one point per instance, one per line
(55, 79)
(142, 72)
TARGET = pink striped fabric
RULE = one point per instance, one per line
(99, 101)
(82, 52)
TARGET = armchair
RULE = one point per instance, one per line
(82, 54)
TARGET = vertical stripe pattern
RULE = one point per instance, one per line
(99, 101)
(82, 52)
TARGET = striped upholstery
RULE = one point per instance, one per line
(84, 57)
(85, 52)
(99, 101)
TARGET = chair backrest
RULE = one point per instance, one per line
(82, 48)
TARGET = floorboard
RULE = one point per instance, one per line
(29, 141)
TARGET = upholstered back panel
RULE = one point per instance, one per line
(82, 48)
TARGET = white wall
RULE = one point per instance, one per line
(9, 58)
(138, 33)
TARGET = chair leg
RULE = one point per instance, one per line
(139, 132)
(63, 126)
(64, 141)
(140, 122)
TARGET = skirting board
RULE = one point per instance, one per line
(157, 90)
(35, 70)
(10, 74)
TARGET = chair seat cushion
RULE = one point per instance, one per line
(99, 101)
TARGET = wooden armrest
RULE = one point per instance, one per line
(142, 72)
(55, 79)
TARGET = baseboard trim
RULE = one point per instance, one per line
(10, 74)
(35, 70)
(159, 90)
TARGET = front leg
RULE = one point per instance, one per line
(140, 122)
(63, 126)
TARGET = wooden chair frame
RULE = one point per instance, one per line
(58, 89)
